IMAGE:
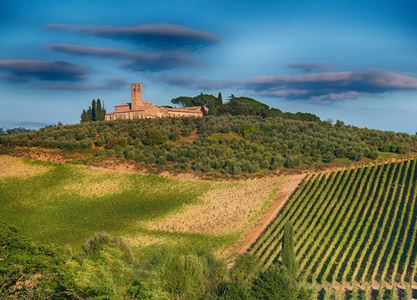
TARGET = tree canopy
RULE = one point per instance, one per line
(237, 106)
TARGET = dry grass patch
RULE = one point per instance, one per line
(146, 240)
(226, 208)
(89, 182)
(16, 167)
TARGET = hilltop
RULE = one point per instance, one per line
(211, 146)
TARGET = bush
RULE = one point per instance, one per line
(122, 142)
(95, 241)
(101, 152)
(374, 155)
(130, 155)
(112, 143)
(110, 153)
(246, 130)
(31, 270)
(245, 268)
(151, 159)
(275, 283)
(162, 160)
(291, 162)
(184, 277)
(154, 137)
(232, 291)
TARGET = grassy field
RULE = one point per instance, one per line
(353, 227)
(65, 204)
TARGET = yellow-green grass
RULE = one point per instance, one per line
(65, 204)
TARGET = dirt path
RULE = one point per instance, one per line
(267, 216)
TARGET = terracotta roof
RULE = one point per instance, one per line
(192, 109)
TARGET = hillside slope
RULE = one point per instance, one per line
(65, 204)
(223, 146)
(353, 226)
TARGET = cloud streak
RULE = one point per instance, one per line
(109, 84)
(164, 36)
(311, 67)
(318, 87)
(25, 70)
(332, 86)
(137, 61)
(33, 123)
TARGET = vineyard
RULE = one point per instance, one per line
(353, 226)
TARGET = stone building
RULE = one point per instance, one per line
(138, 109)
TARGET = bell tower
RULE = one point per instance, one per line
(136, 95)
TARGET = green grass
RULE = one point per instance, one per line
(343, 161)
(386, 154)
(58, 206)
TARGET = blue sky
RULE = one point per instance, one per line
(349, 60)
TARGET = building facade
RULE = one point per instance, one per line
(138, 109)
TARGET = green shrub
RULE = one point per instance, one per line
(232, 291)
(374, 155)
(275, 283)
(110, 153)
(130, 155)
(185, 276)
(29, 270)
(101, 152)
(122, 142)
(162, 160)
(112, 143)
(151, 159)
(95, 241)
(246, 130)
(154, 137)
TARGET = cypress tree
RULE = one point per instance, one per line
(84, 116)
(102, 112)
(89, 114)
(288, 256)
(93, 110)
(219, 99)
(98, 111)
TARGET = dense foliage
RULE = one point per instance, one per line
(239, 106)
(226, 144)
(251, 107)
(107, 269)
(95, 112)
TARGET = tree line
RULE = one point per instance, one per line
(239, 106)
